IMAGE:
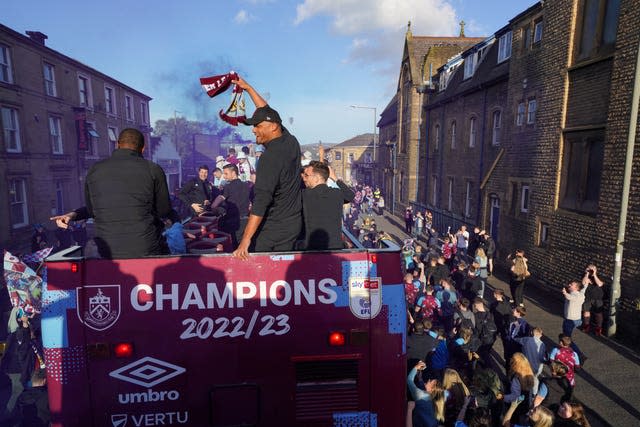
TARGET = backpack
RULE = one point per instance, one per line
(519, 268)
(487, 329)
(465, 322)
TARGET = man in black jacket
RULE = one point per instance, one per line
(276, 214)
(322, 207)
(198, 192)
(127, 196)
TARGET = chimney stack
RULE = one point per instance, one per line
(37, 37)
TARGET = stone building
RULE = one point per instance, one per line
(58, 117)
(551, 96)
(352, 160)
(421, 57)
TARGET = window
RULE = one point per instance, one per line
(450, 196)
(11, 127)
(143, 113)
(92, 140)
(543, 233)
(112, 134)
(497, 122)
(599, 27)
(467, 200)
(59, 198)
(469, 65)
(531, 111)
(84, 89)
(128, 107)
(524, 199)
(504, 47)
(338, 155)
(368, 158)
(434, 190)
(49, 79)
(55, 135)
(537, 31)
(472, 132)
(109, 100)
(526, 37)
(520, 115)
(453, 135)
(6, 74)
(582, 170)
(436, 143)
(18, 202)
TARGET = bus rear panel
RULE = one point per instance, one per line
(295, 339)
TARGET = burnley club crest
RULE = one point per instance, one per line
(99, 306)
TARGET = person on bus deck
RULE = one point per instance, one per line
(127, 197)
(198, 192)
(275, 221)
(236, 196)
(32, 406)
(322, 207)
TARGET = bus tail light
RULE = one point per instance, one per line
(374, 258)
(74, 267)
(123, 349)
(336, 339)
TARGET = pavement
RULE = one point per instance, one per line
(608, 385)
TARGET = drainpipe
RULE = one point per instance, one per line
(622, 223)
(484, 123)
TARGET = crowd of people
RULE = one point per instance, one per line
(454, 320)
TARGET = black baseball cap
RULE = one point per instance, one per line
(264, 114)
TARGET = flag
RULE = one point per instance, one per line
(215, 85)
(38, 256)
(23, 284)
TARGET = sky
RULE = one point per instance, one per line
(311, 59)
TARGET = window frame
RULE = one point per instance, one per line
(59, 190)
(434, 190)
(144, 113)
(596, 46)
(520, 114)
(496, 125)
(532, 108)
(112, 142)
(544, 228)
(436, 145)
(453, 128)
(467, 201)
(525, 198)
(50, 87)
(111, 108)
(504, 46)
(92, 141)
(583, 171)
(469, 66)
(129, 113)
(24, 202)
(15, 119)
(88, 102)
(6, 66)
(473, 131)
(56, 140)
(338, 156)
(538, 30)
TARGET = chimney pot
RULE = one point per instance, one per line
(37, 37)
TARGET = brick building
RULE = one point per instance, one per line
(421, 57)
(352, 160)
(550, 94)
(59, 117)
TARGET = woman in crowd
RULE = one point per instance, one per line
(521, 385)
(538, 416)
(429, 406)
(455, 393)
(571, 414)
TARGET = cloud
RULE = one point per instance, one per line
(378, 27)
(243, 17)
(351, 17)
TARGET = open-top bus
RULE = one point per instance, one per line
(284, 339)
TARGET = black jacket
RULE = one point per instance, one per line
(127, 196)
(197, 191)
(322, 211)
